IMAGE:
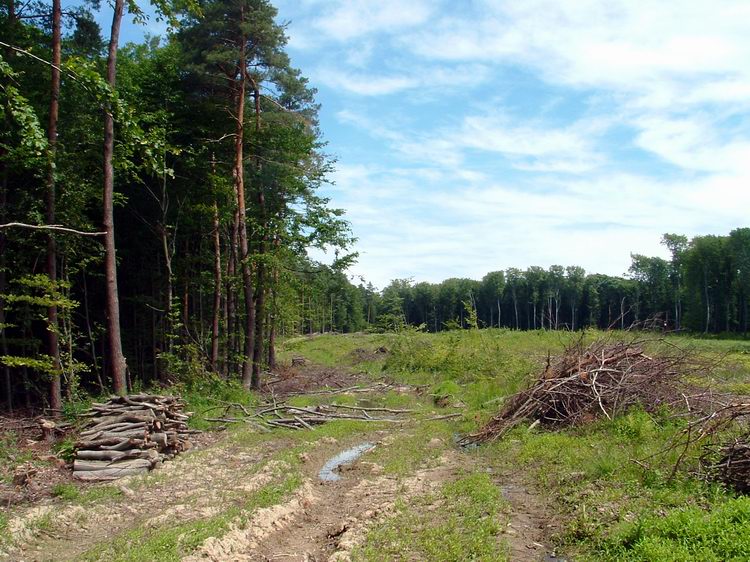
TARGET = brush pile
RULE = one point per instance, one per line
(733, 465)
(604, 378)
(282, 415)
(130, 435)
(725, 434)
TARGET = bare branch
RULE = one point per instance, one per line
(55, 227)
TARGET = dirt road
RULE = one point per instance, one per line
(250, 496)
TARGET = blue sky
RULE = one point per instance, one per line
(477, 135)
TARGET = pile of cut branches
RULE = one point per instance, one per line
(129, 435)
(281, 415)
(586, 382)
(724, 434)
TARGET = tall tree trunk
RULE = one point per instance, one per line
(90, 334)
(217, 292)
(239, 185)
(117, 359)
(261, 288)
(53, 344)
(7, 383)
(708, 302)
(231, 298)
(274, 310)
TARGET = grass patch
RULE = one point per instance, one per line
(85, 496)
(207, 396)
(171, 543)
(11, 455)
(464, 521)
(413, 449)
(590, 473)
(336, 350)
(692, 533)
(4, 537)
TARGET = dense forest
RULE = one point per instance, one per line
(158, 202)
(704, 287)
(181, 181)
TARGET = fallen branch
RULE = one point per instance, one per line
(53, 227)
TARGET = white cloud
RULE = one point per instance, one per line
(368, 83)
(616, 44)
(505, 173)
(349, 19)
(445, 228)
(693, 143)
(365, 84)
(531, 146)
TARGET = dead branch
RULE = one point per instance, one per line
(53, 227)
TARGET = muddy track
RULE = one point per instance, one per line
(319, 521)
(328, 519)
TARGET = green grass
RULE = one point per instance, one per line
(610, 480)
(85, 496)
(412, 449)
(336, 350)
(171, 543)
(11, 456)
(690, 533)
(607, 474)
(464, 521)
(3, 528)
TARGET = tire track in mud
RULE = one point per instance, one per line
(326, 520)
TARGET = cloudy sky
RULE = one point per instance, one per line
(476, 135)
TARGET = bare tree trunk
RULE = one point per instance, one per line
(231, 300)
(7, 384)
(91, 335)
(708, 302)
(261, 288)
(274, 304)
(217, 292)
(239, 185)
(170, 291)
(117, 359)
(8, 387)
(53, 344)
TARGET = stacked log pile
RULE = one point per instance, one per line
(129, 435)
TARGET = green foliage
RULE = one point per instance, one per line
(65, 449)
(689, 533)
(16, 109)
(206, 392)
(85, 496)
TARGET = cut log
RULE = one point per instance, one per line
(83, 465)
(149, 454)
(108, 474)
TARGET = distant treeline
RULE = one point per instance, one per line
(704, 287)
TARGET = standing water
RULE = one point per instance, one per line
(328, 474)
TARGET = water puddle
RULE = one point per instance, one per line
(329, 471)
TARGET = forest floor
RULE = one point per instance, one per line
(413, 494)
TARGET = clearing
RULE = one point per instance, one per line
(411, 494)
